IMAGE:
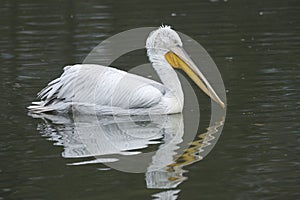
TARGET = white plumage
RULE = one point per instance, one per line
(90, 88)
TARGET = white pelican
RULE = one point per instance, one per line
(94, 88)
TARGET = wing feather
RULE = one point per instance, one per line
(102, 86)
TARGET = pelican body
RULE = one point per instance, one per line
(90, 88)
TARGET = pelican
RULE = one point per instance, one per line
(105, 90)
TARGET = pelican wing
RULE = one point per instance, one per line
(96, 85)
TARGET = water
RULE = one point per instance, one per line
(256, 47)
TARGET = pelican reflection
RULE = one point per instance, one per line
(153, 145)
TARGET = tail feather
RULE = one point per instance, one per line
(40, 107)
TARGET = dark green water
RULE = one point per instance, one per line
(255, 44)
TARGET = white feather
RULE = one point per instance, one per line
(93, 88)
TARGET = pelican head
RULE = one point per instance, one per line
(165, 43)
(162, 40)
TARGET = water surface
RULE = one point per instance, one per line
(256, 47)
